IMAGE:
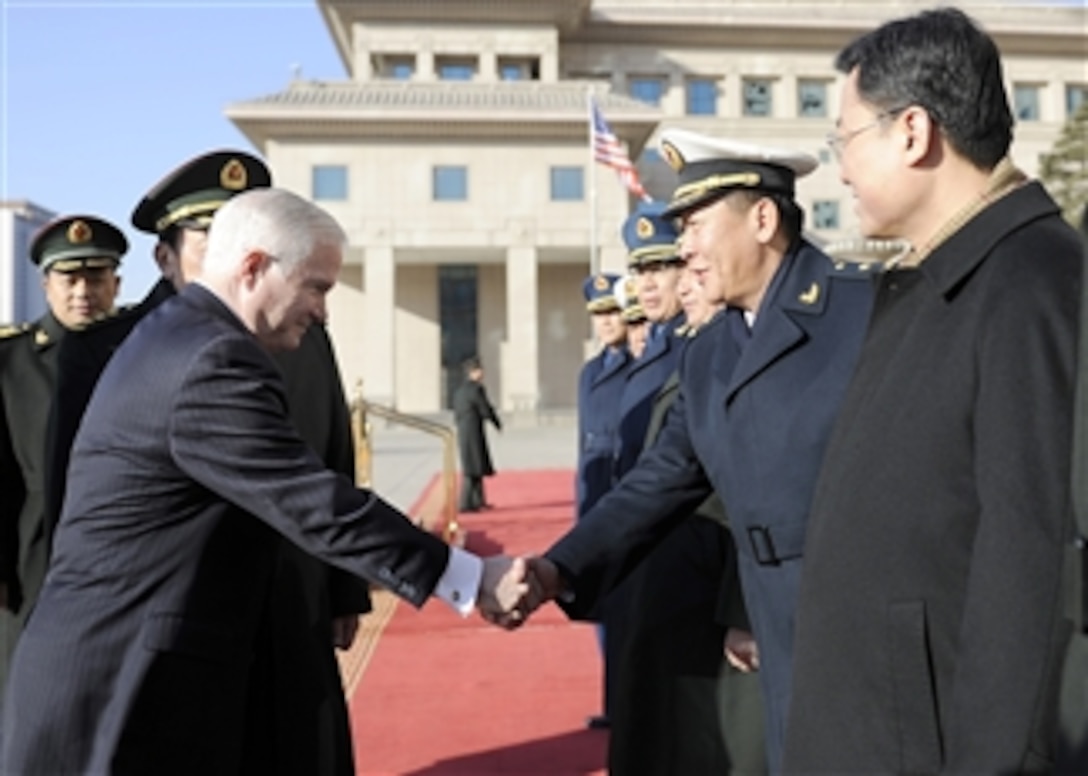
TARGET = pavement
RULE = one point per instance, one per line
(405, 460)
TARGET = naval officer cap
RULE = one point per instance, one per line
(711, 167)
(190, 195)
(76, 242)
(650, 236)
(627, 298)
(599, 291)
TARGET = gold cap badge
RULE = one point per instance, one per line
(674, 158)
(233, 175)
(644, 228)
(600, 283)
(79, 232)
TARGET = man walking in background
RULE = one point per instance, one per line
(471, 408)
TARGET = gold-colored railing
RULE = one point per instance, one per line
(361, 412)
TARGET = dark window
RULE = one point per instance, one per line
(1025, 99)
(1075, 96)
(455, 68)
(757, 97)
(825, 214)
(646, 89)
(812, 98)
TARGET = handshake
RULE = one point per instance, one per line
(513, 588)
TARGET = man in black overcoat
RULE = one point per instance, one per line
(931, 627)
(471, 409)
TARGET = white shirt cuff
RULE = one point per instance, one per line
(460, 582)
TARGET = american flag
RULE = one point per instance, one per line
(609, 151)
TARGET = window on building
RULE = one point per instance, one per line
(329, 182)
(519, 69)
(702, 97)
(455, 68)
(450, 183)
(811, 98)
(567, 184)
(1025, 98)
(646, 89)
(1075, 96)
(397, 67)
(825, 214)
(758, 96)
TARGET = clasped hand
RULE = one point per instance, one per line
(513, 588)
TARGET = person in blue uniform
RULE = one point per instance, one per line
(600, 387)
(760, 389)
(78, 257)
(653, 261)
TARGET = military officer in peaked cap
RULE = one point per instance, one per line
(78, 257)
(300, 717)
(600, 387)
(634, 317)
(760, 388)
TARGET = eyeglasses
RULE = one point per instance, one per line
(837, 141)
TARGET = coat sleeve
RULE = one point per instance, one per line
(485, 408)
(1011, 636)
(665, 487)
(233, 393)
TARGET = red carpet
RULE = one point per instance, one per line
(445, 695)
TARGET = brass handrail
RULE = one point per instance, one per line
(361, 409)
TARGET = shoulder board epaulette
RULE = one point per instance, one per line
(14, 329)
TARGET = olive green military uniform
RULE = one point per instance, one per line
(28, 369)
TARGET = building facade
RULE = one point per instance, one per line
(456, 155)
(21, 296)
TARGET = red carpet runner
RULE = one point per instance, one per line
(445, 695)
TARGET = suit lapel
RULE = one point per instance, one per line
(775, 334)
(604, 371)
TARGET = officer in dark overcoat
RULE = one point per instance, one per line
(760, 391)
(300, 722)
(653, 261)
(471, 409)
(680, 707)
(78, 257)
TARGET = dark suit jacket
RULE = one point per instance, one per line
(298, 716)
(930, 635)
(753, 426)
(471, 408)
(184, 472)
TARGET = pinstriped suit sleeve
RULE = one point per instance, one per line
(233, 395)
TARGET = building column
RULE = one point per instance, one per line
(379, 278)
(520, 351)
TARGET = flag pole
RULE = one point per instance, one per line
(593, 257)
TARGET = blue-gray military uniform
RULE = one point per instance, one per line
(600, 387)
(650, 239)
(751, 422)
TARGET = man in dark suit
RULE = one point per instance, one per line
(471, 409)
(185, 470)
(78, 258)
(600, 389)
(303, 725)
(930, 627)
(759, 390)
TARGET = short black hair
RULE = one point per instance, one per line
(943, 62)
(471, 364)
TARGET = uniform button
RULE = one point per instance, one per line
(456, 596)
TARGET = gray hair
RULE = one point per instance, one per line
(274, 221)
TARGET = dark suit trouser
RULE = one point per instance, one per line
(472, 493)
